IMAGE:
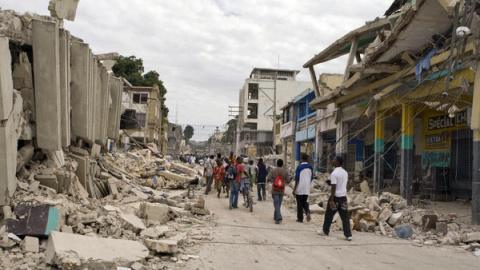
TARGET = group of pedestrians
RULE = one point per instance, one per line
(230, 174)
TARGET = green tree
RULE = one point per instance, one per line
(132, 69)
(188, 133)
(229, 135)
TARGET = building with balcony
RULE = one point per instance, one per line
(259, 105)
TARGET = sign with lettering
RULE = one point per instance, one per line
(437, 141)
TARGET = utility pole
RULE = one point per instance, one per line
(274, 147)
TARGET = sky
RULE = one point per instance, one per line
(205, 49)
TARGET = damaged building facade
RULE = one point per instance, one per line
(407, 112)
(55, 93)
(142, 113)
(259, 100)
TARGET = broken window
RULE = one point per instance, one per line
(253, 91)
(140, 98)
(252, 111)
(141, 119)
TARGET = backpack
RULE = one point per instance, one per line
(231, 172)
(278, 183)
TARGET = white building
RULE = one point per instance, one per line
(255, 120)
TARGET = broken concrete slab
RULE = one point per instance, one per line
(162, 246)
(47, 84)
(155, 232)
(38, 220)
(84, 248)
(63, 9)
(132, 222)
(395, 218)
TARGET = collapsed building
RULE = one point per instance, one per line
(406, 114)
(54, 92)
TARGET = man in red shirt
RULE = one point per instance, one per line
(218, 175)
(235, 185)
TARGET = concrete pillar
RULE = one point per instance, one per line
(46, 66)
(79, 90)
(284, 151)
(318, 150)
(65, 79)
(379, 151)
(8, 140)
(6, 83)
(476, 178)
(105, 78)
(116, 88)
(298, 150)
(97, 109)
(475, 126)
(407, 161)
(91, 89)
(342, 142)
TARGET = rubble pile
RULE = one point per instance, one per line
(79, 209)
(389, 215)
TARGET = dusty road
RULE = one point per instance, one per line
(244, 240)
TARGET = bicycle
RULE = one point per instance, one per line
(247, 196)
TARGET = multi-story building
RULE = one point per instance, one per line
(142, 113)
(260, 100)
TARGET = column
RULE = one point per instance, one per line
(407, 161)
(342, 142)
(379, 150)
(475, 126)
(298, 149)
(476, 178)
(318, 151)
(46, 66)
(284, 151)
(65, 78)
(80, 90)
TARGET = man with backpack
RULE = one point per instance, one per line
(303, 179)
(280, 180)
(241, 175)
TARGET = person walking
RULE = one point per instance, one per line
(253, 173)
(278, 175)
(338, 200)
(208, 172)
(261, 179)
(219, 175)
(242, 175)
(303, 180)
(226, 184)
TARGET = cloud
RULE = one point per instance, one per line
(205, 49)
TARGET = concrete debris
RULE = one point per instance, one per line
(70, 250)
(38, 220)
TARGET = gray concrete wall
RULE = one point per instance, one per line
(6, 83)
(65, 79)
(47, 84)
(79, 89)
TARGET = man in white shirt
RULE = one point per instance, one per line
(303, 180)
(338, 200)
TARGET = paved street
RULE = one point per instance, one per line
(244, 240)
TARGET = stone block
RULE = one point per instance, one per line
(6, 83)
(162, 246)
(84, 248)
(48, 181)
(154, 212)
(38, 220)
(132, 222)
(47, 84)
(63, 9)
(31, 244)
